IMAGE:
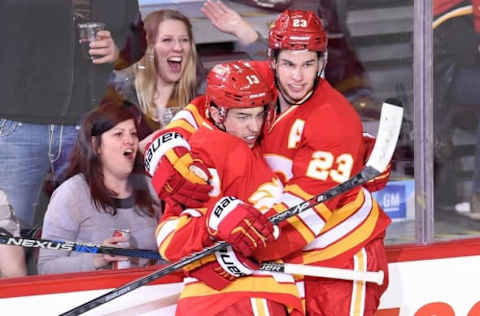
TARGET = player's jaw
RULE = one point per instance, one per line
(251, 139)
(294, 93)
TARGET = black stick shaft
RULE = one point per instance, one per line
(78, 247)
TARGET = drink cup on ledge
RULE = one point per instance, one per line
(87, 32)
(122, 233)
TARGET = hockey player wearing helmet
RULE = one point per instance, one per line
(298, 50)
(237, 104)
(315, 144)
(239, 100)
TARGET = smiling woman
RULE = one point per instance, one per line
(105, 191)
(165, 79)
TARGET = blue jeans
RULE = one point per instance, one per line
(27, 153)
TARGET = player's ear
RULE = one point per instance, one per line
(273, 63)
(215, 115)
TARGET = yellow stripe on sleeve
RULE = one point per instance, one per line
(299, 226)
(350, 241)
(183, 125)
(345, 211)
(321, 208)
(181, 222)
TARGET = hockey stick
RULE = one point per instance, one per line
(78, 247)
(149, 254)
(388, 131)
(324, 272)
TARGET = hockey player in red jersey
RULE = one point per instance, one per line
(314, 144)
(237, 101)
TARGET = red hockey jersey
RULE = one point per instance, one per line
(236, 171)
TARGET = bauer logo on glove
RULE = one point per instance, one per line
(240, 224)
(175, 174)
(159, 147)
(222, 209)
(234, 264)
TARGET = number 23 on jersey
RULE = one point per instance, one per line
(323, 164)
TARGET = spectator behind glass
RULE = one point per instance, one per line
(456, 67)
(47, 86)
(105, 190)
(12, 258)
(165, 79)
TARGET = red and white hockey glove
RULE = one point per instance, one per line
(241, 225)
(380, 181)
(227, 268)
(174, 172)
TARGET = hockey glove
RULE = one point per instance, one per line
(240, 224)
(227, 268)
(174, 172)
(380, 181)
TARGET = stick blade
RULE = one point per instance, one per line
(388, 132)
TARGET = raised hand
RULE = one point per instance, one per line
(229, 21)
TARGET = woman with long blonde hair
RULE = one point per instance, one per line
(165, 79)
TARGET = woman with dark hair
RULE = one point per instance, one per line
(105, 190)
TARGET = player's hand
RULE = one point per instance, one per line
(240, 224)
(175, 174)
(380, 181)
(227, 268)
(229, 21)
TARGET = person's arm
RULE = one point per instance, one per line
(229, 21)
(12, 261)
(181, 227)
(12, 258)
